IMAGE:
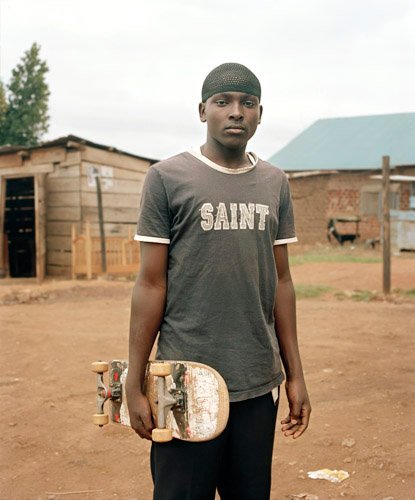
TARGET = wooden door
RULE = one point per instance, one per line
(3, 242)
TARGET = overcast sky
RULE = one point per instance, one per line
(129, 73)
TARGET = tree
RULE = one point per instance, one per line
(3, 109)
(26, 118)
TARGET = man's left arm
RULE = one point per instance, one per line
(297, 420)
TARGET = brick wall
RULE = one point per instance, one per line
(344, 191)
(405, 187)
(310, 199)
(318, 198)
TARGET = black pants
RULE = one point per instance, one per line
(237, 463)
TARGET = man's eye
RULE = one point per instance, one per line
(221, 102)
(249, 104)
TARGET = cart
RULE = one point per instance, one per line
(335, 229)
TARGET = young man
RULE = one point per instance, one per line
(215, 281)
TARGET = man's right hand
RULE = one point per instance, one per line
(140, 413)
(147, 309)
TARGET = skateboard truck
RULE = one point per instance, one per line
(165, 402)
(103, 393)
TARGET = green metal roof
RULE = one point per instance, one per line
(354, 143)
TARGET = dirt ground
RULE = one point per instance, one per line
(358, 358)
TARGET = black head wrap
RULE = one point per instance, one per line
(230, 77)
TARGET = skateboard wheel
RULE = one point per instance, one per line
(100, 419)
(160, 369)
(161, 435)
(99, 367)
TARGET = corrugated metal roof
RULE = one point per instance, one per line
(353, 143)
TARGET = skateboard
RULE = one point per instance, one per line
(188, 400)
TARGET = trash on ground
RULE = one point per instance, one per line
(349, 442)
(303, 496)
(334, 476)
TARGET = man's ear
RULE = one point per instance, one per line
(260, 114)
(202, 112)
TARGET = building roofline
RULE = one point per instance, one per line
(65, 141)
(350, 143)
(374, 115)
(296, 174)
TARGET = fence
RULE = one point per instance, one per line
(123, 254)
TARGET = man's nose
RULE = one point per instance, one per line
(235, 112)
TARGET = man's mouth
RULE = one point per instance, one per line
(235, 128)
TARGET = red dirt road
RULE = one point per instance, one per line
(359, 363)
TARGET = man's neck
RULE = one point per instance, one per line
(225, 157)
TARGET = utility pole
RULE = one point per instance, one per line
(386, 235)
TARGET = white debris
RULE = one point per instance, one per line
(303, 496)
(334, 476)
(348, 442)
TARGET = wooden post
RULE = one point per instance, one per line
(101, 227)
(386, 243)
(88, 250)
(123, 252)
(40, 226)
(73, 246)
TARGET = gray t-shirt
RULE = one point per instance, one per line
(221, 225)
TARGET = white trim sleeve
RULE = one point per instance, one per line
(286, 240)
(151, 239)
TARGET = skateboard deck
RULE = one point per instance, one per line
(188, 400)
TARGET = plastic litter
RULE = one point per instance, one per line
(334, 476)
